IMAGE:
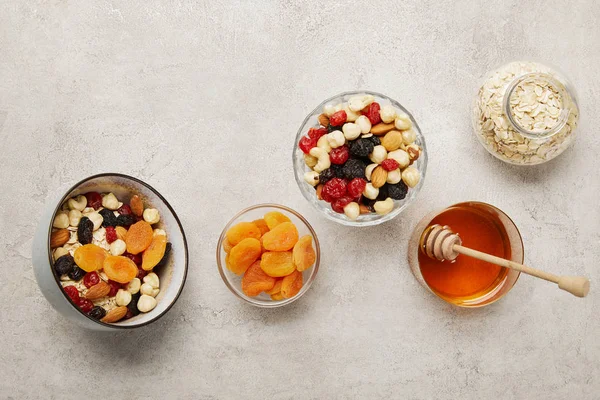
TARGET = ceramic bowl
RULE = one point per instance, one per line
(172, 275)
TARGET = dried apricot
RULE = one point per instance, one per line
(276, 287)
(275, 218)
(243, 255)
(304, 255)
(281, 238)
(227, 246)
(121, 232)
(138, 237)
(262, 225)
(89, 257)
(242, 231)
(277, 296)
(120, 269)
(277, 264)
(256, 281)
(136, 205)
(291, 284)
(154, 253)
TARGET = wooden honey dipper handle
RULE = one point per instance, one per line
(441, 243)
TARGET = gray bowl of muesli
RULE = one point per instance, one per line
(110, 253)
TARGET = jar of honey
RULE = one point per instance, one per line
(466, 281)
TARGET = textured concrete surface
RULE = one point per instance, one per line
(201, 100)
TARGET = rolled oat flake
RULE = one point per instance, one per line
(525, 113)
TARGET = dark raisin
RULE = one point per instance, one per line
(383, 192)
(76, 273)
(367, 202)
(398, 191)
(164, 260)
(126, 220)
(110, 218)
(326, 175)
(338, 170)
(361, 147)
(375, 140)
(354, 169)
(132, 306)
(64, 264)
(97, 313)
(332, 128)
(85, 230)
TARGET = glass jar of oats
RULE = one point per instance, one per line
(525, 113)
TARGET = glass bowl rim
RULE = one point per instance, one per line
(394, 213)
(264, 303)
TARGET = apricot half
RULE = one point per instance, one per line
(120, 269)
(242, 255)
(90, 257)
(154, 253)
(277, 264)
(256, 281)
(304, 255)
(241, 231)
(291, 284)
(275, 218)
(281, 238)
(138, 237)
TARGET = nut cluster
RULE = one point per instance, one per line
(361, 156)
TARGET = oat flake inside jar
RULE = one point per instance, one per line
(525, 113)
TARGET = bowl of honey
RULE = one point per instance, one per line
(466, 281)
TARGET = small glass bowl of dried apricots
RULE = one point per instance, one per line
(268, 255)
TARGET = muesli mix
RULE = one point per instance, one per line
(105, 253)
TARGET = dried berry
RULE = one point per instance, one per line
(94, 200)
(316, 133)
(97, 313)
(111, 234)
(126, 220)
(361, 147)
(372, 113)
(332, 128)
(339, 155)
(338, 204)
(397, 191)
(383, 192)
(125, 210)
(90, 279)
(132, 306)
(354, 169)
(141, 273)
(114, 287)
(109, 217)
(356, 186)
(128, 315)
(390, 164)
(64, 264)
(334, 189)
(85, 305)
(367, 202)
(326, 175)
(72, 292)
(85, 230)
(136, 258)
(375, 140)
(338, 118)
(76, 273)
(307, 143)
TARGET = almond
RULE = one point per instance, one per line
(382, 128)
(413, 151)
(364, 209)
(97, 291)
(114, 315)
(378, 177)
(323, 120)
(121, 232)
(392, 140)
(319, 190)
(137, 206)
(59, 237)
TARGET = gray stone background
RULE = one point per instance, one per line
(202, 99)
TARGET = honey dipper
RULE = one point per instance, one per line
(441, 243)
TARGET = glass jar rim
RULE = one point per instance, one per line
(533, 134)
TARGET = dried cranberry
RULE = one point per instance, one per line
(338, 118)
(136, 258)
(141, 274)
(327, 197)
(85, 305)
(307, 143)
(339, 204)
(339, 155)
(128, 315)
(390, 164)
(111, 234)
(90, 279)
(335, 188)
(316, 133)
(124, 209)
(114, 287)
(94, 200)
(72, 292)
(356, 186)
(372, 113)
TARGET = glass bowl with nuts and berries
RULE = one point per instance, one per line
(525, 113)
(110, 253)
(360, 158)
(268, 255)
